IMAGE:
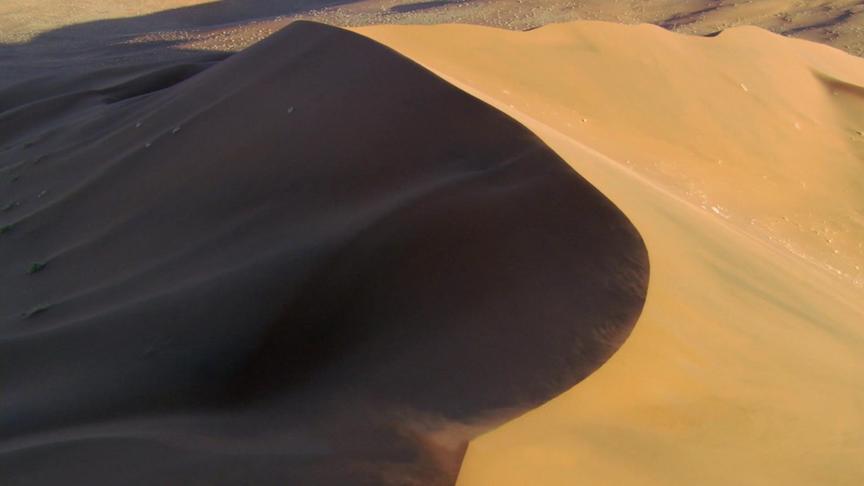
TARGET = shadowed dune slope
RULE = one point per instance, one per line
(312, 263)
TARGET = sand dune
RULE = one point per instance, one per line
(315, 263)
(737, 157)
(834, 22)
(760, 130)
(43, 37)
(311, 263)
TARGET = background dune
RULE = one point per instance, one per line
(42, 37)
(311, 263)
(737, 157)
(835, 22)
(831, 21)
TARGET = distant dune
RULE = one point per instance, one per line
(311, 263)
(738, 158)
(834, 22)
(42, 37)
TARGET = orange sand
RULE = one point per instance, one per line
(741, 167)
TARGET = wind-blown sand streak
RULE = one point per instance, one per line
(312, 263)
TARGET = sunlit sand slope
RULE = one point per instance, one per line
(738, 158)
(312, 263)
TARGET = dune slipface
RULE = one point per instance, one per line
(312, 263)
(733, 156)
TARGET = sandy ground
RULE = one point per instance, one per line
(764, 132)
(738, 159)
(311, 263)
(736, 156)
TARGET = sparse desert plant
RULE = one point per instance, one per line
(37, 267)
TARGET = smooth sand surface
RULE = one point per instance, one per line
(311, 263)
(738, 158)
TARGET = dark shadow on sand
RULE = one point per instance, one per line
(92, 45)
(413, 7)
(310, 263)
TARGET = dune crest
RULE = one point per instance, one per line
(311, 263)
(737, 157)
(743, 125)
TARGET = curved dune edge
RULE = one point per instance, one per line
(311, 263)
(747, 364)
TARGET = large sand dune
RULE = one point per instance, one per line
(311, 263)
(229, 301)
(738, 158)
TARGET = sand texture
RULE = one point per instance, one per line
(738, 158)
(316, 262)
(311, 263)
